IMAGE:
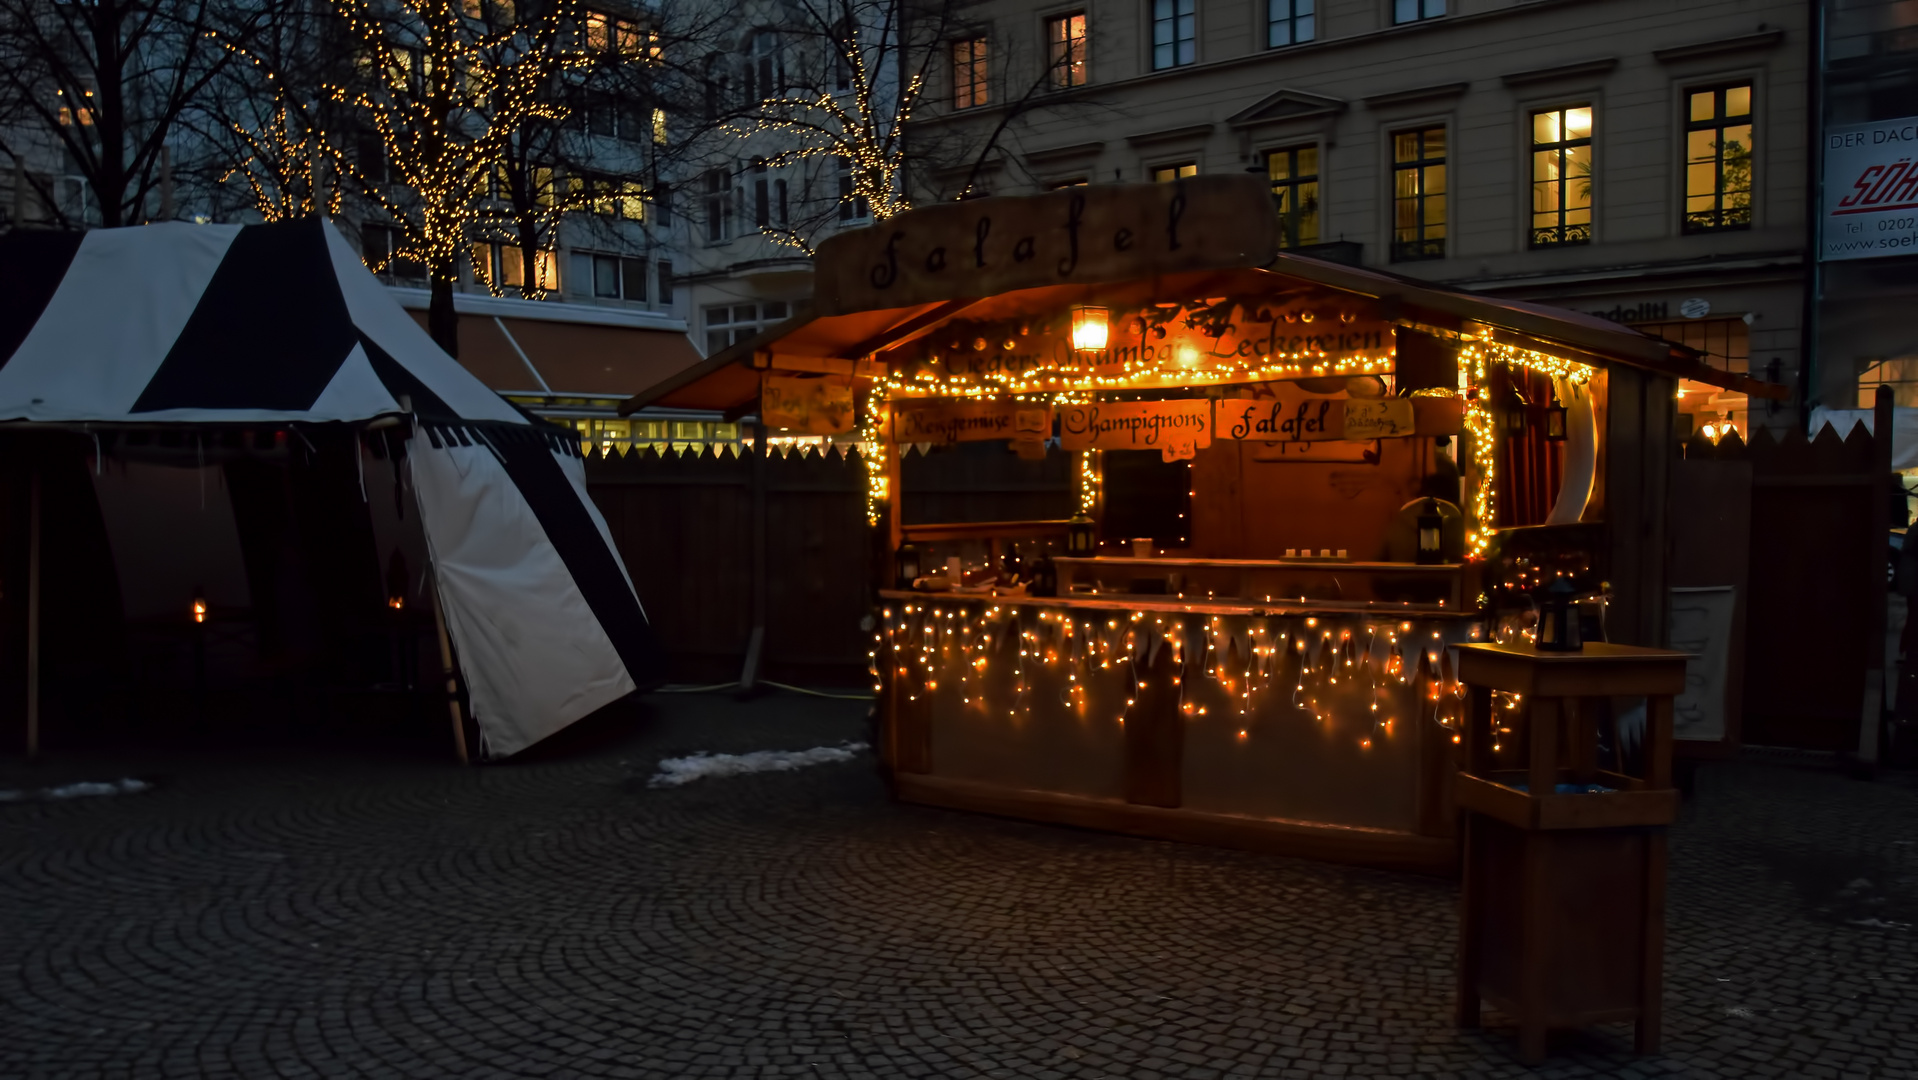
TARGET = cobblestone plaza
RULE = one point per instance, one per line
(303, 914)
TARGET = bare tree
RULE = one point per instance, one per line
(104, 84)
(448, 86)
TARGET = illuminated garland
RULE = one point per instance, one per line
(1090, 481)
(1390, 667)
(1483, 428)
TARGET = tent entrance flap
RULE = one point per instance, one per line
(531, 645)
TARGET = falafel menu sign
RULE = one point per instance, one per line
(1080, 235)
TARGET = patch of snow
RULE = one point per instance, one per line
(83, 789)
(684, 770)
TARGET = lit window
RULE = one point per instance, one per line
(1718, 159)
(969, 73)
(1562, 177)
(1295, 188)
(1418, 194)
(1405, 11)
(1174, 33)
(1287, 22)
(1165, 174)
(1066, 51)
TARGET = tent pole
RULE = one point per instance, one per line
(452, 680)
(33, 612)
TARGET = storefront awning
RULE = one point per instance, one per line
(528, 348)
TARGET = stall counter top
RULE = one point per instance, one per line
(1175, 605)
(1271, 564)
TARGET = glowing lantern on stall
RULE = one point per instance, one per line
(1431, 527)
(1088, 328)
(1079, 536)
(1558, 629)
(199, 605)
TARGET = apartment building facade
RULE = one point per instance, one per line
(1644, 162)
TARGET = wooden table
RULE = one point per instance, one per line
(1562, 904)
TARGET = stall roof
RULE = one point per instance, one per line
(1120, 245)
(728, 381)
(535, 347)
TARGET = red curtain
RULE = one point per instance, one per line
(1530, 466)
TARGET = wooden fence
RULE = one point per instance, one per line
(1801, 524)
(684, 524)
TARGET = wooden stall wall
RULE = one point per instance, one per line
(1711, 551)
(683, 525)
(1639, 407)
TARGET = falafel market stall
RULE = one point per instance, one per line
(1246, 503)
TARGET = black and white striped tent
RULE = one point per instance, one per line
(215, 327)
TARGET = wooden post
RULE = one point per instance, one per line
(33, 612)
(1875, 667)
(756, 639)
(452, 683)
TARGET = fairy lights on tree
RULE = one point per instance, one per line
(447, 85)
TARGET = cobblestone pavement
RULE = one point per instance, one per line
(322, 915)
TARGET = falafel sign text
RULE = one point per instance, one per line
(1178, 429)
(1301, 417)
(1080, 235)
(947, 422)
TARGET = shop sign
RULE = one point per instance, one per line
(1379, 418)
(1178, 429)
(1297, 417)
(947, 422)
(814, 406)
(1081, 235)
(1870, 191)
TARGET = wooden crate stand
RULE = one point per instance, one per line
(1562, 903)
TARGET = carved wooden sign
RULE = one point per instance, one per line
(1294, 416)
(814, 406)
(1178, 429)
(946, 422)
(1079, 235)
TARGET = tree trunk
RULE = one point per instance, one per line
(441, 320)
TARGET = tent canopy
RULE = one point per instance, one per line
(282, 324)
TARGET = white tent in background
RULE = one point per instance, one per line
(280, 325)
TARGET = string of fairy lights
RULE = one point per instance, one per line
(1013, 660)
(1060, 387)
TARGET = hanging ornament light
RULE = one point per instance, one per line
(1089, 328)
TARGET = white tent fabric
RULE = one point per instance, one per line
(282, 324)
(527, 667)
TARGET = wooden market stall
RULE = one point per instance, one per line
(1295, 487)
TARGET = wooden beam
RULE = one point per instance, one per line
(924, 321)
(33, 612)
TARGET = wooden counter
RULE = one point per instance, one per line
(1317, 729)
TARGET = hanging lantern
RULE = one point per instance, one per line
(906, 563)
(1558, 629)
(1431, 526)
(1555, 420)
(1079, 536)
(1515, 414)
(396, 579)
(1088, 328)
(1045, 578)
